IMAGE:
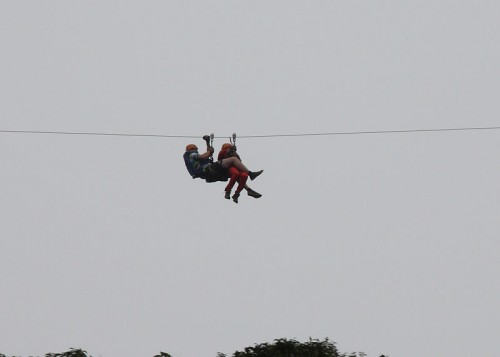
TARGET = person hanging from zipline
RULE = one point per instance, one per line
(202, 166)
(227, 151)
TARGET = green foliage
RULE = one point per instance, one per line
(73, 352)
(279, 348)
(353, 354)
(291, 348)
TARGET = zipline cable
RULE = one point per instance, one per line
(372, 132)
(250, 136)
(96, 134)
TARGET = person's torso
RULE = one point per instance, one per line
(194, 165)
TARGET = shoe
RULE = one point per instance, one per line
(235, 197)
(253, 175)
(227, 195)
(253, 193)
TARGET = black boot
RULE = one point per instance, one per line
(253, 175)
(235, 197)
(227, 195)
(253, 193)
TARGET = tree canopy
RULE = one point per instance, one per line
(278, 348)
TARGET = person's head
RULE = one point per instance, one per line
(226, 145)
(191, 147)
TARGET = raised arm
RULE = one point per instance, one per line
(207, 154)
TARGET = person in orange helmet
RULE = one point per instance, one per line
(229, 151)
(196, 163)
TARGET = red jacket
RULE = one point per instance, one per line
(223, 154)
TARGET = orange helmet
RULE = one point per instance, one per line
(226, 145)
(191, 147)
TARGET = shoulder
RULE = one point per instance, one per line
(226, 152)
(222, 154)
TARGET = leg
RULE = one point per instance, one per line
(242, 181)
(241, 184)
(234, 162)
(233, 176)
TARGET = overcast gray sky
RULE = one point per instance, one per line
(383, 243)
